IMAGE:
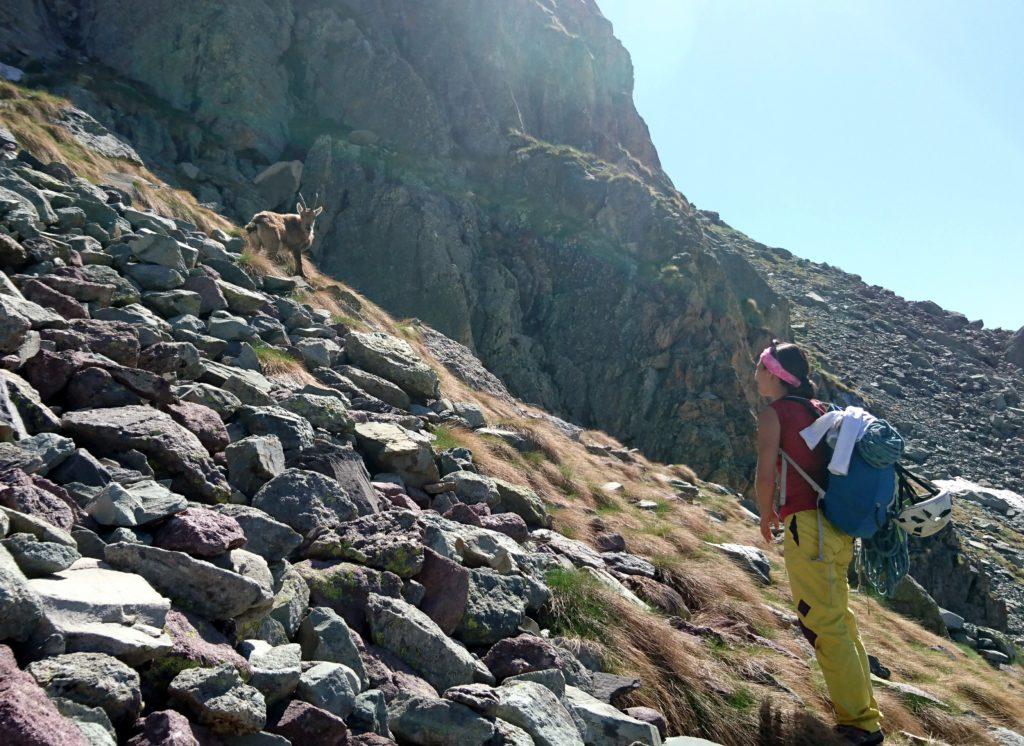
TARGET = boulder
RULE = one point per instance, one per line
(154, 433)
(509, 524)
(303, 723)
(651, 716)
(294, 432)
(495, 608)
(446, 590)
(534, 708)
(393, 359)
(910, 599)
(346, 588)
(376, 386)
(752, 559)
(428, 720)
(325, 412)
(330, 686)
(519, 655)
(135, 505)
(345, 466)
(195, 643)
(472, 488)
(324, 636)
(307, 501)
(414, 638)
(157, 248)
(39, 558)
(27, 715)
(264, 536)
(480, 698)
(36, 455)
(276, 670)
(29, 495)
(625, 563)
(606, 726)
(280, 623)
(200, 532)
(36, 416)
(278, 183)
(370, 715)
(20, 608)
(93, 680)
(391, 541)
(220, 700)
(254, 461)
(197, 585)
(392, 448)
(99, 610)
(164, 728)
(203, 422)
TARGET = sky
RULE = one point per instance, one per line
(884, 137)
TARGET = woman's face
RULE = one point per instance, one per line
(768, 385)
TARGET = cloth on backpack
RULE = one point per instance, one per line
(843, 428)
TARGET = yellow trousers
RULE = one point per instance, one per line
(821, 596)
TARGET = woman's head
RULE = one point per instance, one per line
(783, 370)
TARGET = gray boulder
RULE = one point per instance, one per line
(264, 536)
(426, 720)
(220, 700)
(606, 726)
(99, 610)
(534, 708)
(522, 501)
(305, 500)
(324, 636)
(393, 359)
(330, 686)
(325, 412)
(275, 669)
(391, 541)
(495, 608)
(254, 461)
(135, 505)
(165, 442)
(294, 431)
(416, 640)
(39, 558)
(20, 609)
(392, 448)
(210, 591)
(376, 386)
(93, 680)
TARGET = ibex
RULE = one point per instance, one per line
(275, 232)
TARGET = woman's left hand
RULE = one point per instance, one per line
(767, 523)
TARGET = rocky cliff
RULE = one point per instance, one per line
(482, 167)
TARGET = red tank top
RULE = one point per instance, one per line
(794, 416)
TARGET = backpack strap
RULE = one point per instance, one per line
(787, 461)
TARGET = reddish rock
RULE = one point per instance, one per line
(371, 739)
(27, 716)
(19, 491)
(165, 728)
(651, 716)
(609, 541)
(195, 643)
(446, 585)
(95, 387)
(462, 513)
(302, 723)
(388, 489)
(387, 672)
(521, 654)
(199, 532)
(47, 297)
(509, 524)
(212, 299)
(205, 423)
(401, 501)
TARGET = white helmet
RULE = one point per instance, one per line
(928, 516)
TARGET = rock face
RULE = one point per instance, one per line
(633, 269)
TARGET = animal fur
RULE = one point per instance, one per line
(278, 234)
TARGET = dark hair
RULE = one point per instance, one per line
(794, 360)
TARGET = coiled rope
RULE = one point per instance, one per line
(884, 559)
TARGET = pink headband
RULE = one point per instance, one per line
(775, 368)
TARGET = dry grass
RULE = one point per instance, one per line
(31, 115)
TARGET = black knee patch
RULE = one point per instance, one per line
(812, 637)
(803, 608)
(792, 530)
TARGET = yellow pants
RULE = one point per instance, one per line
(820, 595)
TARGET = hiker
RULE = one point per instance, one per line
(817, 570)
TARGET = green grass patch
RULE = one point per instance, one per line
(350, 321)
(578, 607)
(534, 458)
(275, 359)
(741, 699)
(444, 439)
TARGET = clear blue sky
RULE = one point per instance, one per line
(885, 137)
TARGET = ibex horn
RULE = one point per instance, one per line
(302, 201)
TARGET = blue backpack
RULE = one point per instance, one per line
(858, 502)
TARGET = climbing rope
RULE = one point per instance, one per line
(884, 559)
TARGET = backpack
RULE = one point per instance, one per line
(858, 502)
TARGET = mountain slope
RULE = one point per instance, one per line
(639, 581)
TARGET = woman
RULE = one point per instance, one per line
(819, 584)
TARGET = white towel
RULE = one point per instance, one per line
(844, 428)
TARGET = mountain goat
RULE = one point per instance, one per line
(277, 233)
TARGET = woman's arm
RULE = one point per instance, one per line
(764, 483)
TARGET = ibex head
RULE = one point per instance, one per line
(308, 215)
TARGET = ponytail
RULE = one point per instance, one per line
(795, 361)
